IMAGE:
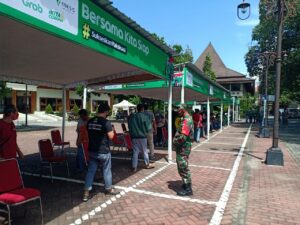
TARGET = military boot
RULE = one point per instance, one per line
(183, 186)
(187, 190)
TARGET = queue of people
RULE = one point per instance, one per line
(145, 130)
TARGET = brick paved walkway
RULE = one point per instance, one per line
(258, 194)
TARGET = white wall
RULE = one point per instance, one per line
(73, 95)
(46, 93)
(55, 93)
(21, 87)
(102, 97)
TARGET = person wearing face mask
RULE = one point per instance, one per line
(82, 138)
(8, 134)
(183, 142)
(139, 126)
(99, 132)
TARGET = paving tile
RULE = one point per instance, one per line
(260, 194)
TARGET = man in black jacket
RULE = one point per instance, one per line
(100, 132)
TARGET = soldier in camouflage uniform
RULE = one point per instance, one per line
(183, 143)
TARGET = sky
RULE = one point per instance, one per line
(195, 23)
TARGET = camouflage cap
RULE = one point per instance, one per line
(181, 107)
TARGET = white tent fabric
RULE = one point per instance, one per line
(125, 105)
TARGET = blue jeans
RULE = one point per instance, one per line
(197, 132)
(105, 161)
(139, 145)
(80, 158)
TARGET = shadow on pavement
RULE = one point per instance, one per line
(63, 197)
(33, 128)
(253, 156)
(175, 185)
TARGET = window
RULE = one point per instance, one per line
(78, 102)
(56, 103)
(235, 87)
(3, 102)
(227, 86)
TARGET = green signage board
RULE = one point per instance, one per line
(196, 82)
(135, 86)
(85, 23)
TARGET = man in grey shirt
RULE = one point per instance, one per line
(151, 117)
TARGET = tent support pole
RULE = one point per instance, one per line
(182, 87)
(27, 105)
(170, 123)
(84, 97)
(233, 112)
(238, 113)
(64, 113)
(221, 125)
(228, 115)
(208, 118)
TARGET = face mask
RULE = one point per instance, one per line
(16, 116)
(180, 113)
(107, 114)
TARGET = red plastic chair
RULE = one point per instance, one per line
(165, 136)
(12, 190)
(118, 140)
(124, 127)
(47, 156)
(57, 141)
(128, 142)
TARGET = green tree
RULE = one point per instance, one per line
(184, 55)
(135, 100)
(4, 91)
(79, 89)
(285, 99)
(207, 68)
(160, 39)
(247, 102)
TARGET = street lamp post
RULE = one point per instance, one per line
(274, 154)
(268, 60)
(283, 9)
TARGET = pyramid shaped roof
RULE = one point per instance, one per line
(218, 65)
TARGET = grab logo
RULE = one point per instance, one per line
(34, 6)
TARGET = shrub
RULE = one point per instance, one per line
(75, 110)
(49, 109)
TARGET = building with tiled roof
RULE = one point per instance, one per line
(237, 83)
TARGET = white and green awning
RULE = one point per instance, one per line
(62, 43)
(190, 80)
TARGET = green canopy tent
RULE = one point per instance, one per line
(64, 43)
(193, 86)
